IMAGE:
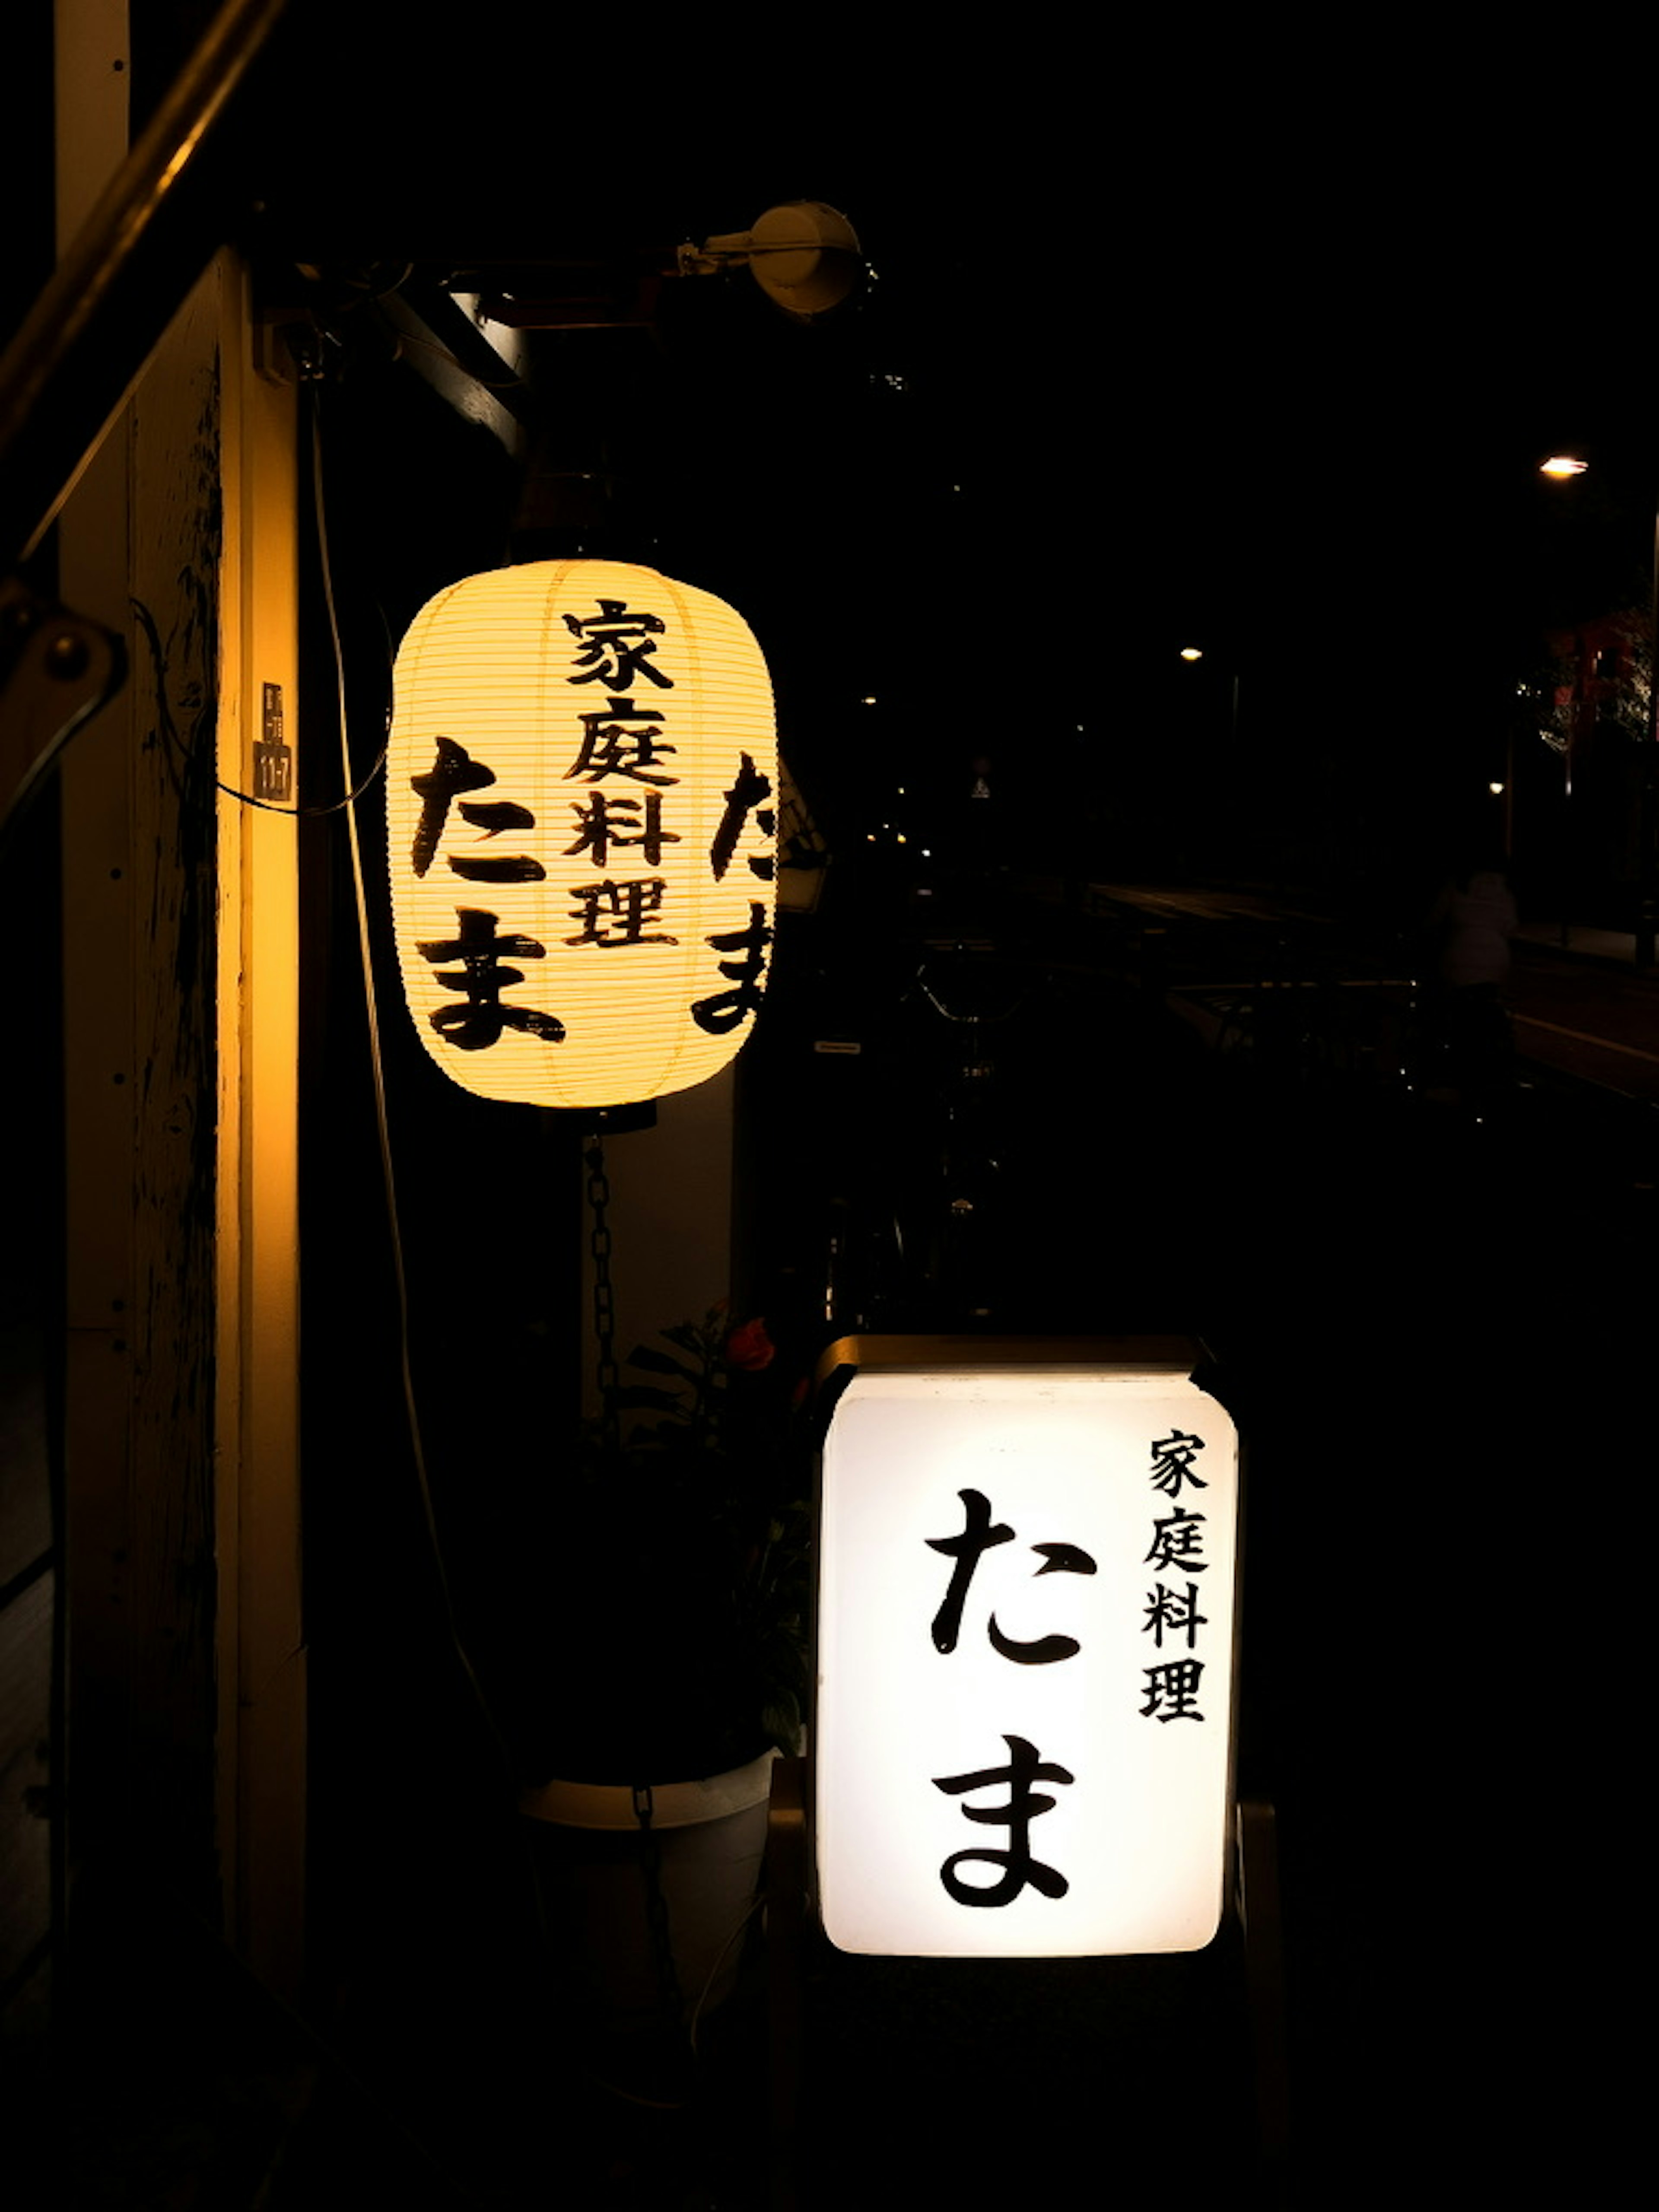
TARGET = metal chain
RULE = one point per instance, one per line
(604, 1334)
(656, 1909)
(604, 1304)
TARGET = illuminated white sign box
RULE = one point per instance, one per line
(1025, 1644)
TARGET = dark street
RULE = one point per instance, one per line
(1430, 1332)
(685, 724)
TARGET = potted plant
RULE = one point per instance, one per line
(663, 1657)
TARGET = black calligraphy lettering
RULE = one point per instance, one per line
(616, 647)
(744, 798)
(1172, 1462)
(503, 868)
(1167, 1608)
(1040, 1651)
(606, 821)
(496, 815)
(1063, 1559)
(453, 772)
(624, 740)
(615, 914)
(724, 1011)
(978, 1536)
(477, 1021)
(1172, 1690)
(1176, 1541)
(1023, 1806)
(1044, 1650)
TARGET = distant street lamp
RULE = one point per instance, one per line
(1560, 466)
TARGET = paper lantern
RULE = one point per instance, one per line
(581, 819)
(1023, 1733)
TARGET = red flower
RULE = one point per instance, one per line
(750, 1348)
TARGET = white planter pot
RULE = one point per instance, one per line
(592, 1854)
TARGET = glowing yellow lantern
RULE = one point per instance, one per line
(582, 803)
(1026, 1594)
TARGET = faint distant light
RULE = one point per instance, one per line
(1496, 789)
(868, 703)
(1562, 465)
(894, 383)
(902, 838)
(1192, 652)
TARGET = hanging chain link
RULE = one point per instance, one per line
(605, 1302)
(605, 1335)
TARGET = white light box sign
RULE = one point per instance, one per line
(1025, 1650)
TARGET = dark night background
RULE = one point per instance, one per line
(1151, 359)
(1255, 347)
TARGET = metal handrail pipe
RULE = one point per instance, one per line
(84, 344)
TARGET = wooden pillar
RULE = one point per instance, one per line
(185, 1665)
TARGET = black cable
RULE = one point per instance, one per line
(411, 1410)
(169, 730)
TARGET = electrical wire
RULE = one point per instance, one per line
(411, 1409)
(695, 2022)
(492, 1727)
(169, 730)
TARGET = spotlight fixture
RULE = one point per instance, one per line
(804, 256)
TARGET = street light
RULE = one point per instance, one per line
(1560, 467)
